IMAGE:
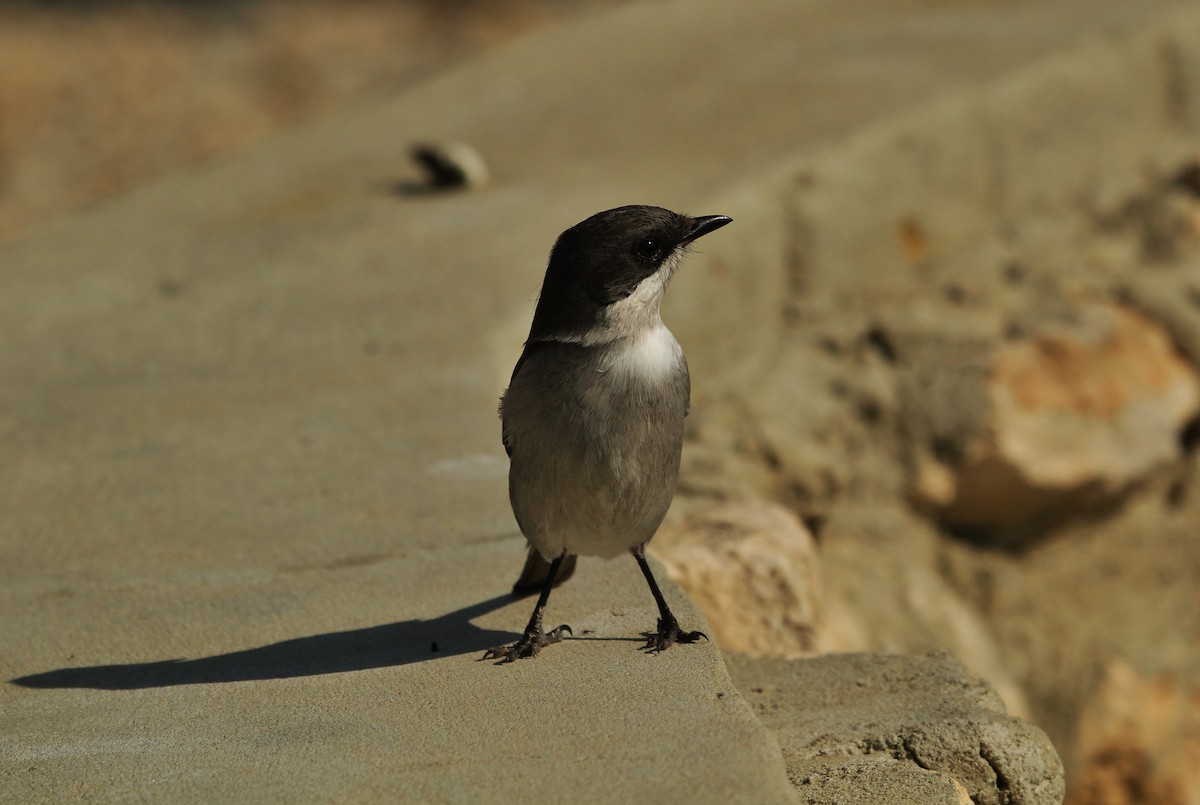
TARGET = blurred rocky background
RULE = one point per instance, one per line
(972, 423)
(99, 95)
(979, 428)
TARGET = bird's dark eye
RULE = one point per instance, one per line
(648, 249)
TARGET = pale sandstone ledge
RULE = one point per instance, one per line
(362, 680)
(248, 416)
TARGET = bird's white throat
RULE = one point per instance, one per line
(651, 355)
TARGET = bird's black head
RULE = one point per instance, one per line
(608, 263)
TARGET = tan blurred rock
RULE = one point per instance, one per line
(1081, 412)
(753, 569)
(1138, 741)
(933, 483)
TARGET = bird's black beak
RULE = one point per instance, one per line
(703, 224)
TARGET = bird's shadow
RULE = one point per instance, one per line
(335, 652)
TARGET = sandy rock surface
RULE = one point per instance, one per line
(834, 715)
(361, 679)
(871, 779)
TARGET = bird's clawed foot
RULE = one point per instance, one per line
(668, 635)
(528, 646)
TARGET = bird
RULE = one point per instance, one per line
(593, 416)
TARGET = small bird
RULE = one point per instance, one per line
(592, 419)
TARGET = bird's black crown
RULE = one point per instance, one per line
(604, 259)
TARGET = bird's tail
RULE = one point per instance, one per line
(533, 575)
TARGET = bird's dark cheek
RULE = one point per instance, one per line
(599, 292)
(607, 290)
(623, 288)
(631, 282)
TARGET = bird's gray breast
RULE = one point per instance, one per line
(595, 434)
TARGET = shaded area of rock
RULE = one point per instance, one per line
(1123, 588)
(882, 570)
(836, 710)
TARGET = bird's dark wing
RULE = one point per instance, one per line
(529, 349)
(532, 348)
(533, 575)
(687, 389)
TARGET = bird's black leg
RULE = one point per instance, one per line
(534, 638)
(668, 628)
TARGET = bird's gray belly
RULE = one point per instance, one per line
(595, 473)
